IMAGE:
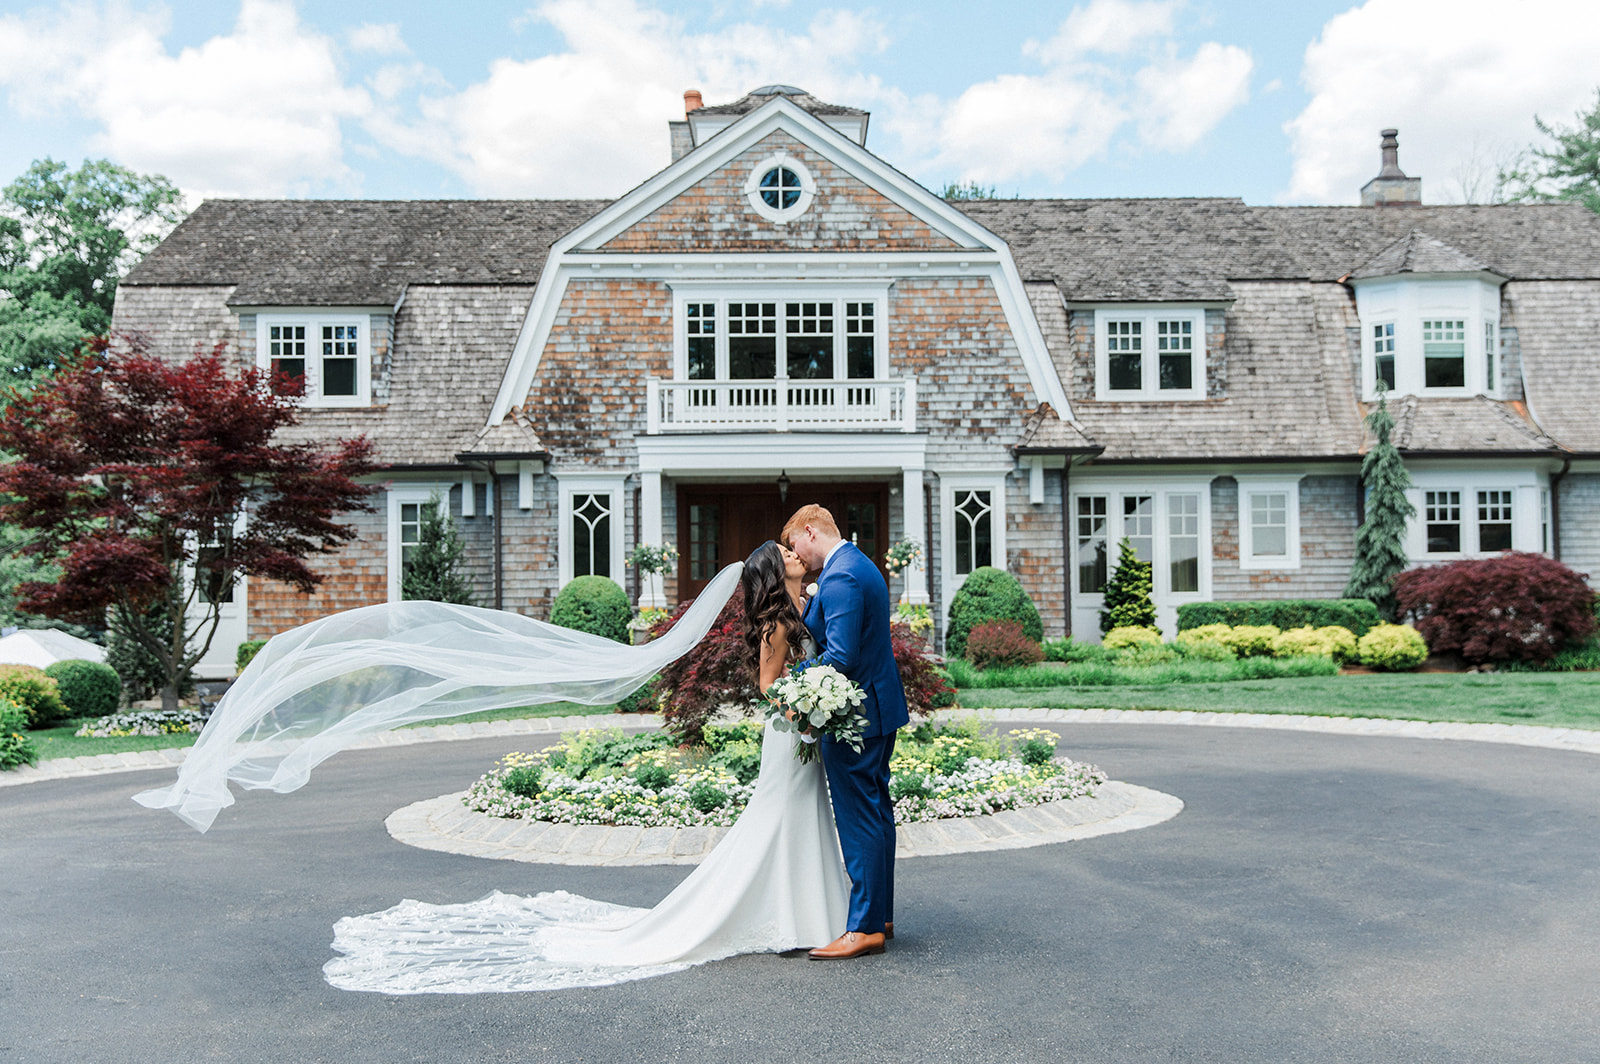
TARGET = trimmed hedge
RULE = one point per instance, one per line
(593, 604)
(1358, 615)
(89, 688)
(990, 594)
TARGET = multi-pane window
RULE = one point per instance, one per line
(1139, 525)
(315, 357)
(1269, 524)
(1092, 562)
(410, 531)
(591, 534)
(1151, 356)
(861, 526)
(1444, 353)
(1383, 354)
(213, 574)
(700, 322)
(1494, 520)
(860, 336)
(704, 537)
(808, 334)
(752, 341)
(1442, 516)
(974, 528)
(780, 188)
(340, 349)
(286, 358)
(1491, 382)
(1183, 542)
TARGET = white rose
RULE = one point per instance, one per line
(812, 589)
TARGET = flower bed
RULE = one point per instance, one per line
(144, 722)
(603, 777)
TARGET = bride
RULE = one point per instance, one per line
(775, 882)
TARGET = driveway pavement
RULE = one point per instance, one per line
(1321, 898)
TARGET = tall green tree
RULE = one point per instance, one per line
(1128, 593)
(66, 238)
(433, 567)
(1567, 170)
(1380, 541)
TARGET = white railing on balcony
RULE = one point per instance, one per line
(782, 406)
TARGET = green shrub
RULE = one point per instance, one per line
(1205, 649)
(1146, 655)
(1585, 657)
(1127, 594)
(1393, 648)
(1206, 633)
(1331, 641)
(37, 694)
(1251, 640)
(707, 797)
(742, 758)
(1357, 615)
(15, 746)
(1131, 636)
(523, 780)
(247, 653)
(654, 777)
(1001, 643)
(989, 594)
(1069, 649)
(593, 604)
(88, 688)
(647, 699)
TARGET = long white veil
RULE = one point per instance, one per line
(317, 689)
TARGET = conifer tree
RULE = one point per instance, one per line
(433, 571)
(1128, 602)
(1380, 541)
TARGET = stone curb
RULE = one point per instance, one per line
(445, 824)
(1575, 739)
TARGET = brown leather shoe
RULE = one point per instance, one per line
(888, 929)
(850, 944)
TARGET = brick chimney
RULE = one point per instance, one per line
(682, 141)
(1391, 188)
(692, 100)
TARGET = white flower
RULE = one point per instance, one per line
(812, 589)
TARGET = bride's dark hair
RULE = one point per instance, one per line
(767, 603)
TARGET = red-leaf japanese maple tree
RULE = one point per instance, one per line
(149, 481)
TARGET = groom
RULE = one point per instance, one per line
(849, 618)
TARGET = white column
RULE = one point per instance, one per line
(916, 530)
(651, 593)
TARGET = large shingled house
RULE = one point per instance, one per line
(782, 316)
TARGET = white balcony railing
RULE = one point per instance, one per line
(782, 406)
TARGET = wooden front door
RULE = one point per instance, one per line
(722, 523)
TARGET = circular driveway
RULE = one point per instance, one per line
(1321, 898)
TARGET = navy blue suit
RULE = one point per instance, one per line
(849, 618)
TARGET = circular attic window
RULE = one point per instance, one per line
(779, 188)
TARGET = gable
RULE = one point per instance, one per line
(714, 214)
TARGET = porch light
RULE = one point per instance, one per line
(783, 486)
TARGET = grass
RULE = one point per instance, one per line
(1564, 700)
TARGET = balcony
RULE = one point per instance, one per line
(781, 406)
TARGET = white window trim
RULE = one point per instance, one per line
(1407, 304)
(780, 215)
(1166, 600)
(780, 292)
(1290, 488)
(950, 485)
(1150, 356)
(314, 320)
(591, 484)
(399, 495)
(1526, 524)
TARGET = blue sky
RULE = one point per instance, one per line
(1274, 102)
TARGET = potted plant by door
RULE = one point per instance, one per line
(650, 562)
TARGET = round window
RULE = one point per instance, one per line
(780, 188)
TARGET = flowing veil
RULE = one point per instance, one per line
(317, 689)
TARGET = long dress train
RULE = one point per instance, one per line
(775, 882)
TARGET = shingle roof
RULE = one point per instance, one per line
(357, 252)
(1417, 252)
(1473, 424)
(756, 97)
(1044, 432)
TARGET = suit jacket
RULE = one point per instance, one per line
(849, 618)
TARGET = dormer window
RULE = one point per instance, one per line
(1150, 354)
(321, 356)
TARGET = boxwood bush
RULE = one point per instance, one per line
(37, 694)
(1358, 615)
(990, 594)
(1393, 648)
(1132, 635)
(88, 688)
(1330, 641)
(593, 604)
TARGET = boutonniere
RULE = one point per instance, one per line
(812, 589)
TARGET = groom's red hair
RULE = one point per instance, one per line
(811, 514)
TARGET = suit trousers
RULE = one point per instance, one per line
(859, 786)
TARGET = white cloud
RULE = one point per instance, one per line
(377, 38)
(1460, 79)
(253, 113)
(1111, 64)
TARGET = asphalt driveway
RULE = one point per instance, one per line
(1321, 898)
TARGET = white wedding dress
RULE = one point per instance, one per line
(775, 882)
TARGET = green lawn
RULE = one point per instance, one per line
(1565, 699)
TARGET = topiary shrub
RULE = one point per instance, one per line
(247, 653)
(1001, 643)
(990, 594)
(927, 685)
(593, 604)
(36, 693)
(1393, 648)
(1331, 641)
(1513, 607)
(15, 746)
(1131, 636)
(87, 688)
(1357, 615)
(1127, 594)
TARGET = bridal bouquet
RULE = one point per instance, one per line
(823, 701)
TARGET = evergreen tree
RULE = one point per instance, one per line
(1570, 170)
(143, 674)
(1128, 602)
(1380, 541)
(433, 571)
